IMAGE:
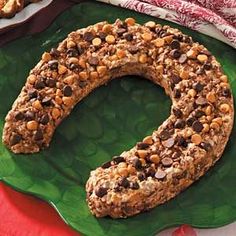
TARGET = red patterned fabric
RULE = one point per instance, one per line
(216, 18)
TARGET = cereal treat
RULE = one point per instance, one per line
(181, 150)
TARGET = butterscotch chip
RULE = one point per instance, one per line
(206, 128)
(32, 78)
(58, 100)
(196, 139)
(123, 172)
(143, 58)
(208, 110)
(224, 108)
(102, 70)
(37, 104)
(130, 21)
(211, 97)
(82, 63)
(131, 169)
(93, 75)
(68, 101)
(32, 125)
(97, 42)
(218, 120)
(110, 39)
(142, 153)
(224, 78)
(192, 93)
(147, 36)
(70, 79)
(61, 69)
(160, 69)
(46, 57)
(191, 53)
(55, 113)
(215, 126)
(70, 44)
(155, 158)
(148, 140)
(83, 75)
(107, 28)
(202, 58)
(159, 42)
(184, 74)
(120, 53)
(150, 24)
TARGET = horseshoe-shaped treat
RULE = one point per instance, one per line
(181, 150)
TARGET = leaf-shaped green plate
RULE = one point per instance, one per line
(108, 121)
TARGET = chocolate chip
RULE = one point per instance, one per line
(166, 162)
(198, 87)
(102, 35)
(134, 185)
(39, 84)
(183, 58)
(73, 66)
(207, 66)
(46, 101)
(182, 142)
(179, 124)
(123, 24)
(118, 159)
(175, 53)
(141, 176)
(176, 155)
(80, 50)
(206, 52)
(205, 146)
(133, 49)
(199, 71)
(169, 142)
(44, 119)
(190, 121)
(19, 115)
(164, 135)
(200, 101)
(117, 188)
(88, 36)
(93, 61)
(72, 52)
(101, 191)
(177, 93)
(120, 31)
(160, 174)
(175, 44)
(150, 172)
(175, 79)
(226, 93)
(128, 36)
(141, 145)
(54, 52)
(187, 39)
(124, 182)
(53, 64)
(38, 135)
(67, 91)
(51, 82)
(197, 126)
(29, 115)
(82, 84)
(137, 164)
(177, 112)
(106, 165)
(32, 93)
(199, 113)
(15, 138)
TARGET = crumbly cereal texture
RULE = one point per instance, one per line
(181, 150)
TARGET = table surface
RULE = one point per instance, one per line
(29, 213)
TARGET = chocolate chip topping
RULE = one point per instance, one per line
(15, 138)
(67, 91)
(183, 58)
(38, 135)
(207, 66)
(141, 145)
(128, 36)
(51, 82)
(118, 159)
(150, 172)
(106, 165)
(179, 124)
(175, 44)
(198, 87)
(169, 142)
(124, 182)
(44, 119)
(197, 126)
(226, 93)
(166, 162)
(137, 164)
(88, 36)
(93, 61)
(181, 142)
(177, 93)
(32, 93)
(120, 31)
(205, 146)
(101, 191)
(40, 84)
(72, 52)
(177, 112)
(19, 115)
(175, 53)
(46, 101)
(134, 185)
(29, 115)
(102, 35)
(141, 176)
(160, 175)
(164, 135)
(83, 84)
(175, 79)
(53, 64)
(133, 49)
(54, 52)
(199, 113)
(190, 121)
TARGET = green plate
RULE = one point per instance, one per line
(111, 119)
